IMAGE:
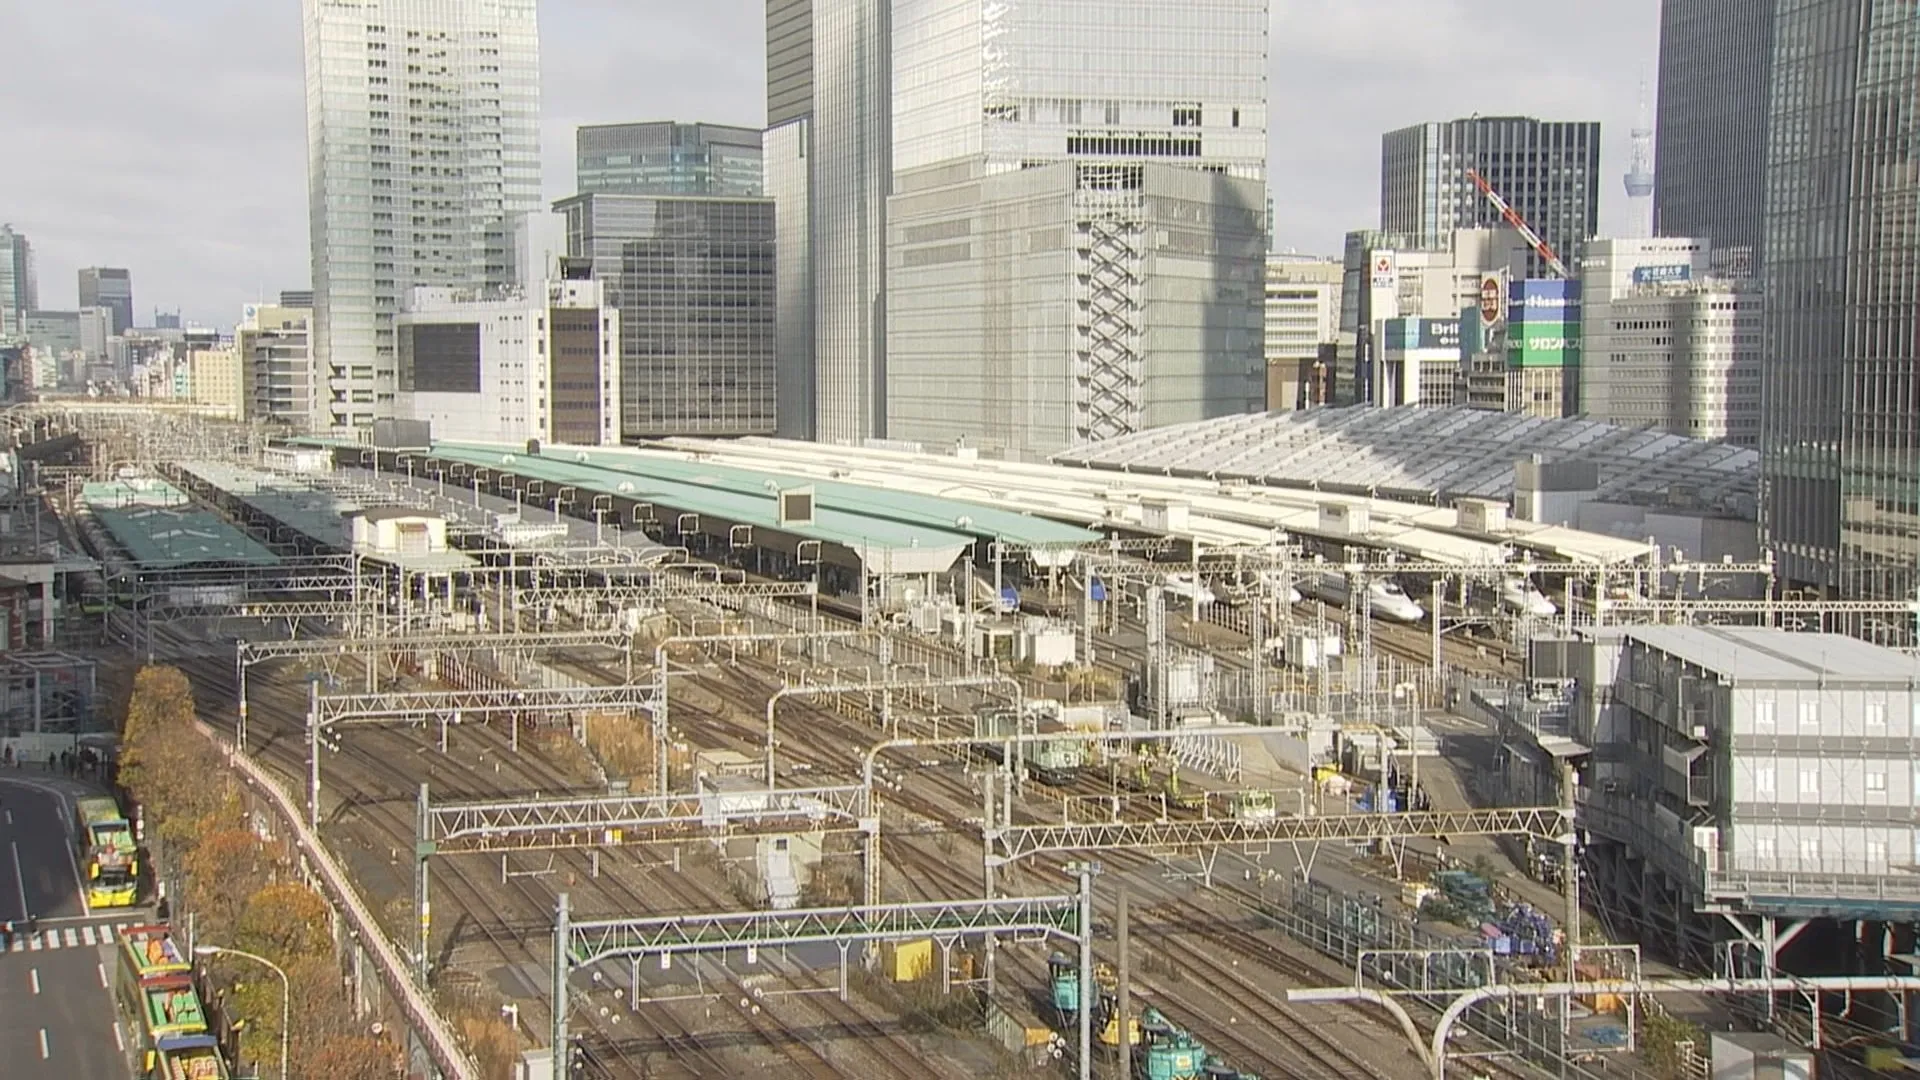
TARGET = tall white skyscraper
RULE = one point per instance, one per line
(1076, 234)
(827, 155)
(423, 142)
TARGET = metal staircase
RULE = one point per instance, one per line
(1109, 375)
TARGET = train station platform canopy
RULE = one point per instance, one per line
(1218, 513)
(985, 522)
(324, 518)
(883, 543)
(1436, 457)
(160, 528)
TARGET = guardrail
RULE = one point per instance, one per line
(441, 1045)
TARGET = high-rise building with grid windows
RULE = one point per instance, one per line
(110, 288)
(1076, 239)
(1711, 136)
(1840, 394)
(693, 281)
(1548, 170)
(19, 291)
(423, 142)
(665, 158)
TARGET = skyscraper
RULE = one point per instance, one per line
(1711, 136)
(1076, 249)
(109, 288)
(665, 158)
(423, 139)
(19, 292)
(1840, 398)
(692, 279)
(1548, 170)
(829, 169)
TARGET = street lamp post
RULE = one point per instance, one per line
(286, 991)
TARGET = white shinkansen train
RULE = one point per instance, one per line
(1243, 588)
(1184, 587)
(1385, 599)
(1520, 596)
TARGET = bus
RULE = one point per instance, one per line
(107, 853)
(156, 991)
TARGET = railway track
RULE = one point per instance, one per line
(389, 804)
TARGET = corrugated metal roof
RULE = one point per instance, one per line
(1430, 454)
(322, 516)
(886, 545)
(1222, 514)
(158, 526)
(1742, 653)
(986, 521)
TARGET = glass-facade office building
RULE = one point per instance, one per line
(828, 161)
(666, 158)
(1548, 170)
(693, 281)
(110, 288)
(423, 141)
(1076, 236)
(1840, 400)
(1711, 134)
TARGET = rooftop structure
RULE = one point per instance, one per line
(894, 535)
(324, 518)
(158, 526)
(1430, 455)
(1186, 507)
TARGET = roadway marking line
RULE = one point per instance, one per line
(33, 976)
(102, 969)
(73, 939)
(34, 943)
(86, 935)
(119, 1040)
(19, 878)
(79, 883)
(45, 1053)
(9, 817)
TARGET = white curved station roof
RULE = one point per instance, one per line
(1220, 514)
(1429, 455)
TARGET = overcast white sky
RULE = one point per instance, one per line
(170, 137)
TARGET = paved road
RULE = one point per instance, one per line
(58, 1020)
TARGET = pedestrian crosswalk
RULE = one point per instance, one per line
(67, 937)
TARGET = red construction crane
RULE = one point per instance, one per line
(1519, 223)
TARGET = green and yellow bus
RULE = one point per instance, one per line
(109, 858)
(155, 988)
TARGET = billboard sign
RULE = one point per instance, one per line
(1543, 345)
(1386, 270)
(1661, 275)
(1493, 298)
(1411, 334)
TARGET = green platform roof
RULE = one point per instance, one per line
(158, 526)
(885, 545)
(849, 514)
(320, 515)
(956, 515)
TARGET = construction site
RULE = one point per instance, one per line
(1250, 749)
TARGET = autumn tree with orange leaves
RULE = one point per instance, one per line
(245, 894)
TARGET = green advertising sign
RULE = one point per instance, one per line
(1554, 344)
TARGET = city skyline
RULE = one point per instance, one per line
(214, 218)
